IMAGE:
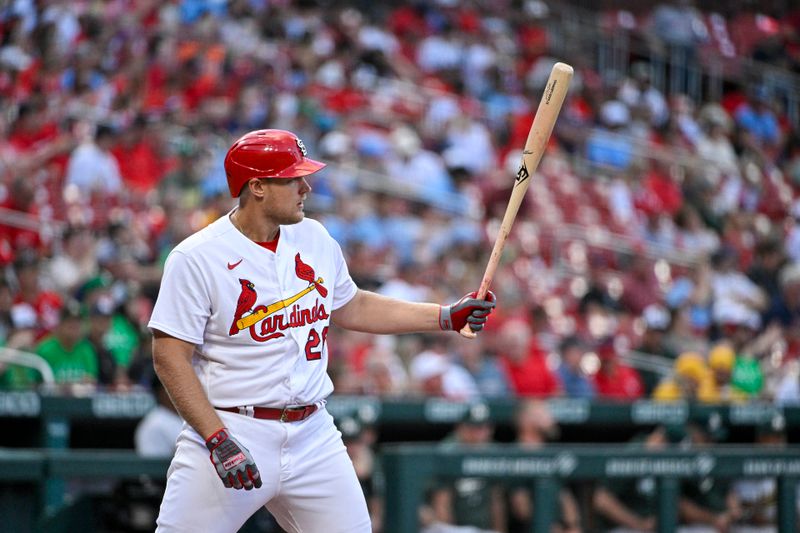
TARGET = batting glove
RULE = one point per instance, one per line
(234, 464)
(468, 310)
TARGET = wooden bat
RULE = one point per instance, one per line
(553, 97)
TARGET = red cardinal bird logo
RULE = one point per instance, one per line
(247, 300)
(306, 273)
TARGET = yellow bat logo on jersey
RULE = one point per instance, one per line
(244, 318)
(254, 318)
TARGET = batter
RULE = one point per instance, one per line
(240, 343)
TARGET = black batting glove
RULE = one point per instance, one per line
(468, 310)
(234, 464)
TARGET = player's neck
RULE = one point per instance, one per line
(255, 228)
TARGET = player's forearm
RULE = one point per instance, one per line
(183, 387)
(374, 313)
(608, 505)
(693, 513)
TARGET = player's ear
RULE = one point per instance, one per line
(256, 188)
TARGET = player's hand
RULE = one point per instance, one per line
(233, 462)
(468, 310)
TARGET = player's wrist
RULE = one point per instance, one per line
(217, 438)
(445, 320)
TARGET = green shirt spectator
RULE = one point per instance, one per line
(69, 353)
(747, 375)
(74, 364)
(122, 340)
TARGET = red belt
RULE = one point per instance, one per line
(287, 414)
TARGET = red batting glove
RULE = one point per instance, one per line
(468, 310)
(234, 464)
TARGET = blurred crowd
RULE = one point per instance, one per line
(656, 255)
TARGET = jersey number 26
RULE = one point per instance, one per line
(314, 341)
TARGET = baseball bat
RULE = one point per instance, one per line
(553, 97)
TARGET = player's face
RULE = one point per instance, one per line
(285, 199)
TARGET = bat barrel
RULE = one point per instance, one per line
(555, 92)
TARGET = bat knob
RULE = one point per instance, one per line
(467, 332)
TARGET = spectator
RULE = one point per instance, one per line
(747, 377)
(139, 155)
(620, 199)
(109, 373)
(707, 504)
(615, 380)
(574, 381)
(485, 369)
(683, 121)
(715, 145)
(68, 351)
(157, 433)
(22, 199)
(75, 263)
(417, 167)
(737, 300)
(691, 381)
(475, 502)
(536, 427)
(384, 374)
(92, 168)
(721, 359)
(757, 119)
(787, 391)
(360, 451)
(758, 496)
(640, 285)
(679, 26)
(638, 93)
(434, 374)
(693, 235)
(34, 306)
(656, 323)
(769, 261)
(690, 315)
(607, 146)
(631, 504)
(524, 361)
(406, 284)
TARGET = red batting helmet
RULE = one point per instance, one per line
(267, 154)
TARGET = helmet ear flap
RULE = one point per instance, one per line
(277, 154)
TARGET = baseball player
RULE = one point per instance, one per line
(240, 329)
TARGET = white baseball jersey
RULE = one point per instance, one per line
(259, 319)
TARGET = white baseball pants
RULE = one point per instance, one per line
(309, 484)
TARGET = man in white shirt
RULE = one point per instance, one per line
(92, 167)
(157, 433)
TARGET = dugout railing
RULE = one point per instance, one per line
(105, 420)
(407, 469)
(54, 415)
